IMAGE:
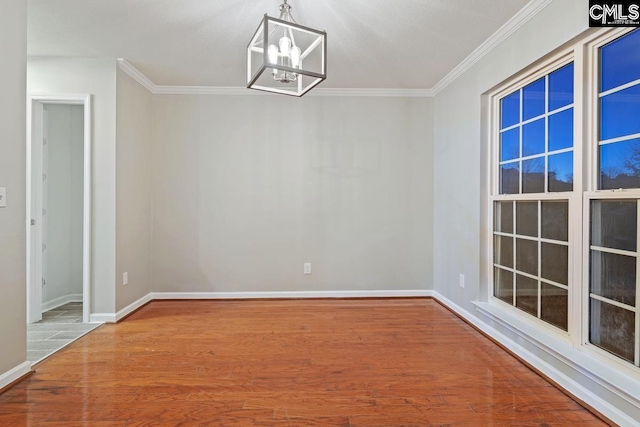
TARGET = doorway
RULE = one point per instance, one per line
(58, 223)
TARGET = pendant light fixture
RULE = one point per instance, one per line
(285, 57)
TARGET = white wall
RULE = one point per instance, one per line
(134, 195)
(96, 76)
(65, 148)
(248, 188)
(458, 202)
(13, 287)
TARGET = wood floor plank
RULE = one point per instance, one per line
(287, 363)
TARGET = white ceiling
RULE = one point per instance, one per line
(404, 44)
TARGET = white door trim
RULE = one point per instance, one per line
(34, 278)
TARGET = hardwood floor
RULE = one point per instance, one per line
(406, 362)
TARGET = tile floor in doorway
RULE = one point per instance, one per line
(58, 327)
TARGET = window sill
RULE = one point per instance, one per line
(618, 380)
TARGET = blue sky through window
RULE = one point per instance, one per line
(620, 113)
(561, 87)
(620, 61)
(539, 119)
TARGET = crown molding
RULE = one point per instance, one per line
(137, 75)
(407, 93)
(518, 20)
(214, 90)
(205, 90)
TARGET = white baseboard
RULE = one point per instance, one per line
(14, 374)
(102, 318)
(55, 303)
(291, 294)
(115, 317)
(570, 384)
(133, 307)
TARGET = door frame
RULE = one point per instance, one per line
(35, 105)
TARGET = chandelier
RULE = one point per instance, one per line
(286, 57)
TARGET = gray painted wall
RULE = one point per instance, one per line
(248, 188)
(65, 167)
(134, 195)
(458, 131)
(13, 287)
(96, 76)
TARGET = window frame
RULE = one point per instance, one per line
(554, 63)
(584, 53)
(551, 64)
(592, 192)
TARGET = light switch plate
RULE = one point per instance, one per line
(3, 197)
(125, 278)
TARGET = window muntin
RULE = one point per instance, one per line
(613, 261)
(536, 126)
(607, 320)
(531, 265)
(613, 276)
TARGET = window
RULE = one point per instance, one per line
(613, 276)
(565, 195)
(536, 135)
(531, 239)
(614, 308)
(619, 113)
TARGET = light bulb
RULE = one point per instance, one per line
(285, 46)
(295, 57)
(273, 54)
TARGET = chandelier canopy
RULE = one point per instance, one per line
(286, 57)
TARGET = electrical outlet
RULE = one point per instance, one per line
(307, 268)
(125, 278)
(462, 281)
(3, 197)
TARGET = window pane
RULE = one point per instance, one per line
(527, 218)
(612, 328)
(533, 138)
(510, 110)
(620, 165)
(561, 172)
(533, 99)
(510, 145)
(554, 305)
(527, 256)
(503, 288)
(555, 220)
(561, 130)
(619, 113)
(510, 178)
(561, 87)
(613, 276)
(554, 261)
(533, 175)
(503, 251)
(614, 224)
(619, 65)
(504, 217)
(527, 294)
